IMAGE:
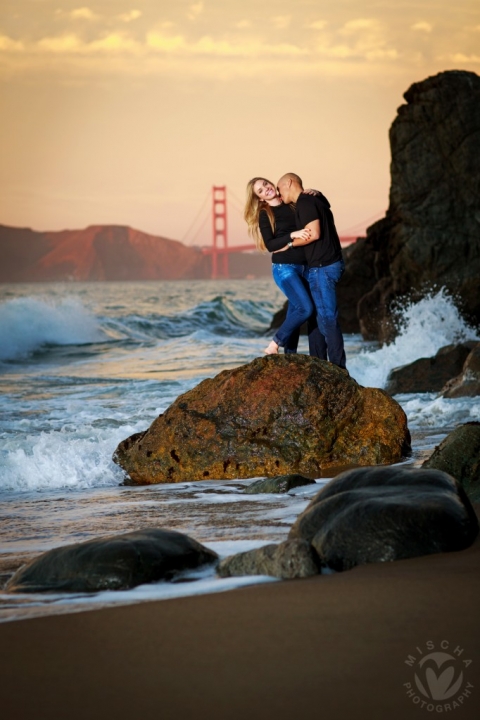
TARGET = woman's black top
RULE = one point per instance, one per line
(275, 240)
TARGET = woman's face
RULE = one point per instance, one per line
(265, 190)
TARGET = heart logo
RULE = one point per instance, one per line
(439, 685)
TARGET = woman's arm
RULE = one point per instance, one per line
(312, 231)
(303, 237)
(276, 243)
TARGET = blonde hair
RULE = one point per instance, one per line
(251, 214)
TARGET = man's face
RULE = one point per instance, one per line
(283, 187)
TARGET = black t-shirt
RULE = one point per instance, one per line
(285, 223)
(326, 250)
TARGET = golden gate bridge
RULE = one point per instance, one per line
(220, 249)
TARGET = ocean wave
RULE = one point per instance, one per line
(430, 411)
(62, 459)
(29, 324)
(425, 327)
(220, 316)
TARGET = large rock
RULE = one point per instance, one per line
(429, 236)
(381, 514)
(429, 374)
(279, 414)
(290, 559)
(467, 383)
(459, 455)
(118, 562)
(358, 279)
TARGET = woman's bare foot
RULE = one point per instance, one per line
(271, 349)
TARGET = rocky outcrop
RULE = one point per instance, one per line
(382, 514)
(288, 560)
(429, 237)
(467, 383)
(459, 455)
(111, 563)
(279, 414)
(357, 280)
(278, 485)
(430, 374)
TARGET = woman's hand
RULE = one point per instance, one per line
(311, 191)
(301, 234)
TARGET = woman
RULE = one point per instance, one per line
(273, 228)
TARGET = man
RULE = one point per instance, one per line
(324, 257)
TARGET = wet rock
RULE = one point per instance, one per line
(429, 236)
(382, 514)
(467, 384)
(279, 484)
(117, 562)
(357, 280)
(288, 560)
(277, 415)
(459, 455)
(429, 374)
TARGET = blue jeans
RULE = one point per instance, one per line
(323, 282)
(292, 281)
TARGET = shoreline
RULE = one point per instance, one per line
(334, 646)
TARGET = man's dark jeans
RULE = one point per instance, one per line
(323, 282)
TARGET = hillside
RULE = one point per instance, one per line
(108, 252)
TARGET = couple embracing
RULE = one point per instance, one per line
(298, 228)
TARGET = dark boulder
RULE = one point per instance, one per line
(459, 455)
(467, 384)
(429, 236)
(358, 279)
(117, 562)
(429, 374)
(290, 559)
(279, 484)
(279, 414)
(382, 514)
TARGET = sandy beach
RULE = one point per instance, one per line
(334, 646)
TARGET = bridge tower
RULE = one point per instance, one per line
(220, 236)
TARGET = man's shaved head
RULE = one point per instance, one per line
(293, 177)
(290, 186)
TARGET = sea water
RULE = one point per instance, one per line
(83, 366)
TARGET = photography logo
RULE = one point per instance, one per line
(440, 682)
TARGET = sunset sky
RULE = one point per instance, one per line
(128, 112)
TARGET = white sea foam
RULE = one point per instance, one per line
(61, 459)
(27, 324)
(426, 326)
(430, 411)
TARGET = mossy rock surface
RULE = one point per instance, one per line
(276, 485)
(278, 415)
(459, 455)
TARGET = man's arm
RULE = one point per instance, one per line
(314, 229)
(308, 217)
